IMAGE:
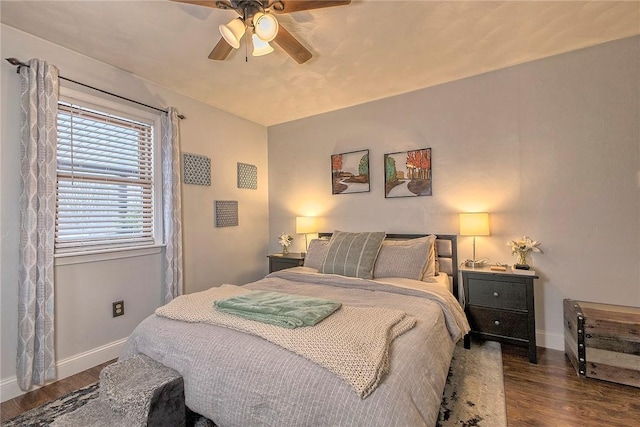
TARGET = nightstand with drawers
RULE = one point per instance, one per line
(281, 261)
(500, 307)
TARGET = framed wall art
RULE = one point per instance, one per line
(350, 172)
(407, 173)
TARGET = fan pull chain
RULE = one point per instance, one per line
(246, 46)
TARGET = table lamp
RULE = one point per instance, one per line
(474, 224)
(306, 225)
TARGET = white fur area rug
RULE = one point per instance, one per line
(474, 393)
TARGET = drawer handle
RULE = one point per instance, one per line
(496, 322)
(495, 294)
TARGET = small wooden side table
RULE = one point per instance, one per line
(281, 261)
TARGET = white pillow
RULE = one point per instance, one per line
(432, 269)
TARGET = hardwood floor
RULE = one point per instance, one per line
(547, 394)
(551, 394)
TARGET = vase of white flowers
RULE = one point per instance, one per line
(285, 240)
(521, 249)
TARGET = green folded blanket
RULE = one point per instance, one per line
(276, 308)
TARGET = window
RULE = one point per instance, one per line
(105, 180)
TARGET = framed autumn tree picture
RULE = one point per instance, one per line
(350, 172)
(407, 173)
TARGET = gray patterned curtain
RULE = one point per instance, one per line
(172, 205)
(36, 362)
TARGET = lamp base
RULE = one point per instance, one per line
(474, 263)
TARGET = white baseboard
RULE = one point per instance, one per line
(67, 367)
(550, 340)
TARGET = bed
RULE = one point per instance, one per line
(237, 378)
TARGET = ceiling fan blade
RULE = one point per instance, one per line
(221, 51)
(300, 5)
(293, 47)
(207, 3)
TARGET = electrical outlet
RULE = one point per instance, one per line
(118, 308)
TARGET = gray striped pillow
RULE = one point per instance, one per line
(352, 254)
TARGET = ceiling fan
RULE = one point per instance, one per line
(258, 16)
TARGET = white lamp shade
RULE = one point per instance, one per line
(265, 26)
(233, 32)
(306, 225)
(474, 224)
(260, 47)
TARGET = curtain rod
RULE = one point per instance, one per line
(18, 63)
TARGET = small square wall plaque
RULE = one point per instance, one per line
(247, 176)
(226, 213)
(196, 169)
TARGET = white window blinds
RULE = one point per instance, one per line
(105, 181)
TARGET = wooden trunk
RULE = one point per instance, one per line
(603, 341)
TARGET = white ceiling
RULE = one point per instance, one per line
(368, 50)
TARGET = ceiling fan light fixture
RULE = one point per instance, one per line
(265, 26)
(260, 47)
(233, 32)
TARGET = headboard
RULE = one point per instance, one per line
(447, 253)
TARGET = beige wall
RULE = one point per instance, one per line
(551, 149)
(85, 331)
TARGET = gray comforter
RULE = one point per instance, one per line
(237, 379)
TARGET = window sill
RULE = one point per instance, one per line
(106, 255)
